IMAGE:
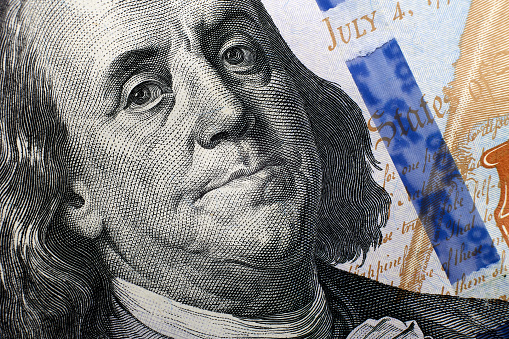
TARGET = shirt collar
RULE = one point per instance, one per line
(177, 320)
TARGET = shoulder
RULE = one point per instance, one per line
(354, 299)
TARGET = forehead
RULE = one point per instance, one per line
(69, 30)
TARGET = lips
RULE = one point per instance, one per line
(265, 179)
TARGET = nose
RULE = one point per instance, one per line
(221, 115)
(225, 119)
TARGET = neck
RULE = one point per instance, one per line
(173, 319)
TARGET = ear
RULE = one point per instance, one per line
(81, 213)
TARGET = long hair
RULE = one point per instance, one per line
(50, 278)
(353, 207)
(53, 283)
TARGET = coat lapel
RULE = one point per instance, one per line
(354, 299)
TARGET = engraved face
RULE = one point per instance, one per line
(190, 137)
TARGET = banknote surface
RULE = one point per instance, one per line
(431, 77)
(254, 169)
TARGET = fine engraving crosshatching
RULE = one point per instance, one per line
(170, 169)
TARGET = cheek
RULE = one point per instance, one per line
(278, 106)
(282, 118)
(142, 201)
(136, 178)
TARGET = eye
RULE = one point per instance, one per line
(143, 92)
(239, 58)
(146, 94)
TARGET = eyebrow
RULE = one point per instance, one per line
(232, 14)
(124, 64)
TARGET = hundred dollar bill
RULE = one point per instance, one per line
(172, 169)
(430, 77)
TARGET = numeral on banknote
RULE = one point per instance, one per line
(399, 14)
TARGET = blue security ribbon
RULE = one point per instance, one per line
(325, 5)
(423, 161)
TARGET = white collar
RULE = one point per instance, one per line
(177, 320)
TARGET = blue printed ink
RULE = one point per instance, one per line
(325, 5)
(423, 161)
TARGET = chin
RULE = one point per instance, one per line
(273, 236)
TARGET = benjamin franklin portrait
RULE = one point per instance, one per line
(169, 169)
